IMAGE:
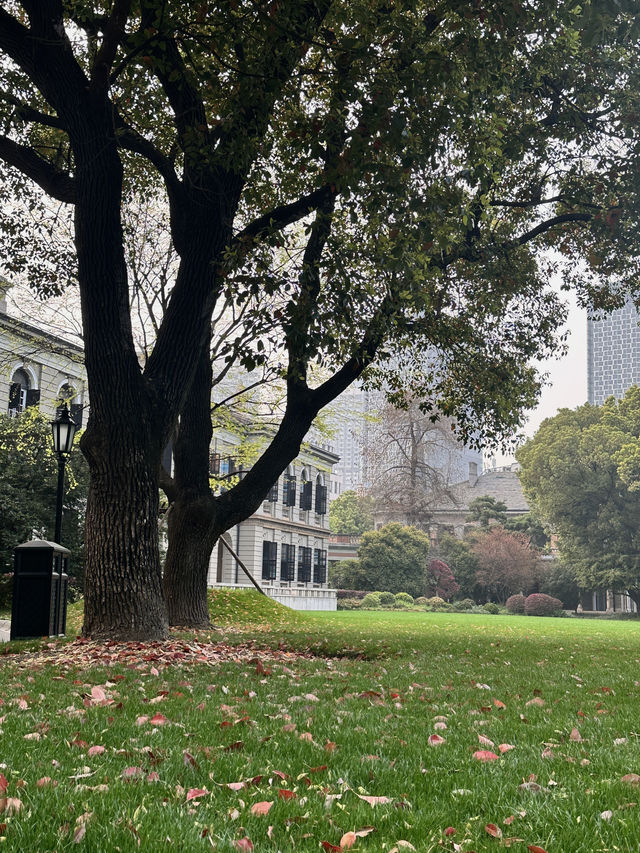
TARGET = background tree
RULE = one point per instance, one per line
(350, 514)
(28, 487)
(577, 471)
(507, 563)
(423, 193)
(409, 460)
(487, 510)
(395, 559)
(532, 527)
(458, 555)
(440, 580)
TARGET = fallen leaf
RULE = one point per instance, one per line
(285, 794)
(261, 807)
(450, 830)
(158, 720)
(485, 755)
(98, 694)
(4, 784)
(348, 840)
(236, 786)
(195, 793)
(95, 750)
(493, 830)
(80, 833)
(332, 848)
(244, 844)
(131, 772)
(631, 779)
(606, 815)
(533, 848)
(366, 830)
(505, 747)
(375, 801)
(10, 805)
(575, 735)
(435, 740)
(485, 741)
(499, 704)
(536, 701)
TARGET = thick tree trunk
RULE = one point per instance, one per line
(191, 529)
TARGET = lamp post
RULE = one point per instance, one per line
(63, 431)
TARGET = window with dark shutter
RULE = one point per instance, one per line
(288, 562)
(289, 490)
(304, 564)
(269, 560)
(14, 398)
(319, 566)
(214, 464)
(76, 413)
(33, 397)
(321, 499)
(306, 495)
(272, 496)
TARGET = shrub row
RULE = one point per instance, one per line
(536, 604)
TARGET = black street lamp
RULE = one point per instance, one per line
(63, 431)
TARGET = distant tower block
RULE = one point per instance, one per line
(613, 354)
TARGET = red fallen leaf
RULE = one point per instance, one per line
(509, 820)
(98, 694)
(631, 779)
(284, 794)
(132, 772)
(375, 801)
(10, 805)
(140, 721)
(261, 807)
(280, 774)
(80, 832)
(188, 758)
(533, 848)
(499, 704)
(45, 780)
(348, 840)
(234, 747)
(158, 720)
(505, 747)
(330, 746)
(244, 844)
(194, 793)
(435, 740)
(95, 750)
(318, 769)
(153, 776)
(493, 830)
(485, 741)
(4, 784)
(450, 830)
(575, 735)
(485, 755)
(367, 694)
(306, 736)
(235, 786)
(289, 727)
(332, 848)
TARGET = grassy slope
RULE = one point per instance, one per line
(331, 728)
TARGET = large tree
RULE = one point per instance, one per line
(351, 514)
(427, 151)
(580, 472)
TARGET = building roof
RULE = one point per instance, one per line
(502, 484)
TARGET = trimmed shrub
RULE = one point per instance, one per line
(351, 593)
(437, 603)
(371, 600)
(515, 603)
(492, 608)
(464, 604)
(403, 597)
(540, 604)
(349, 604)
(422, 599)
(387, 599)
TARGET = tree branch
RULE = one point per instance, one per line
(57, 184)
(284, 215)
(114, 30)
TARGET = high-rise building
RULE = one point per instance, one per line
(613, 354)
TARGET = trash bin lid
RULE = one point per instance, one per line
(43, 545)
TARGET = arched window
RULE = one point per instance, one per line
(289, 488)
(321, 495)
(68, 394)
(22, 393)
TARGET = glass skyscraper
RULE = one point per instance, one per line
(613, 354)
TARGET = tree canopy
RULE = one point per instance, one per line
(395, 559)
(578, 471)
(487, 510)
(350, 514)
(382, 176)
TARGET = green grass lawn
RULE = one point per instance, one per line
(295, 731)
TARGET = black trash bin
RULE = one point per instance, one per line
(40, 582)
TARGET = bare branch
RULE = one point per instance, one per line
(59, 185)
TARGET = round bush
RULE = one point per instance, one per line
(403, 597)
(371, 600)
(515, 603)
(492, 608)
(464, 604)
(387, 599)
(422, 599)
(437, 603)
(540, 604)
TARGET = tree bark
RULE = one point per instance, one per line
(193, 508)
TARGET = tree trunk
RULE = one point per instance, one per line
(191, 530)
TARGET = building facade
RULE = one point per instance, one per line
(613, 354)
(284, 545)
